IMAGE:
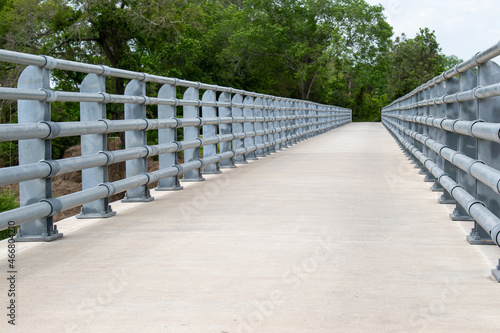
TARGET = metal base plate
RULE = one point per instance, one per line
(148, 199)
(430, 179)
(95, 215)
(475, 240)
(228, 167)
(38, 238)
(172, 188)
(496, 274)
(436, 189)
(193, 180)
(211, 172)
(455, 216)
(446, 201)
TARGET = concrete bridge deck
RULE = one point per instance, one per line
(336, 234)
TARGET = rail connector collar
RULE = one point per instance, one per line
(454, 188)
(495, 234)
(441, 176)
(54, 166)
(54, 128)
(106, 71)
(202, 163)
(106, 98)
(111, 188)
(51, 95)
(50, 62)
(471, 164)
(200, 141)
(55, 205)
(109, 155)
(152, 177)
(472, 203)
(469, 128)
(180, 169)
(150, 124)
(453, 155)
(440, 152)
(151, 150)
(178, 124)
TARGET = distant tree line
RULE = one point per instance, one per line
(329, 51)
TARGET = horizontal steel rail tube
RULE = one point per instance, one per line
(189, 144)
(315, 123)
(226, 155)
(79, 198)
(188, 122)
(49, 62)
(11, 132)
(16, 94)
(487, 220)
(189, 166)
(476, 129)
(78, 128)
(78, 163)
(226, 137)
(17, 174)
(24, 214)
(478, 59)
(210, 160)
(128, 154)
(480, 171)
(210, 141)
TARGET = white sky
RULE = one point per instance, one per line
(462, 27)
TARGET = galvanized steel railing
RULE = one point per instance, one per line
(450, 127)
(236, 125)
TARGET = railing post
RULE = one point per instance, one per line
(192, 133)
(276, 123)
(92, 144)
(259, 126)
(224, 129)
(426, 94)
(421, 129)
(210, 131)
(33, 151)
(237, 111)
(248, 127)
(288, 112)
(487, 151)
(448, 138)
(266, 125)
(282, 114)
(167, 135)
(467, 145)
(134, 139)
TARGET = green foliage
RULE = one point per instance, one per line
(414, 62)
(328, 51)
(7, 202)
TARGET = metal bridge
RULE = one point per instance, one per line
(284, 216)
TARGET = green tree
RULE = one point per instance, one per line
(7, 202)
(413, 62)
